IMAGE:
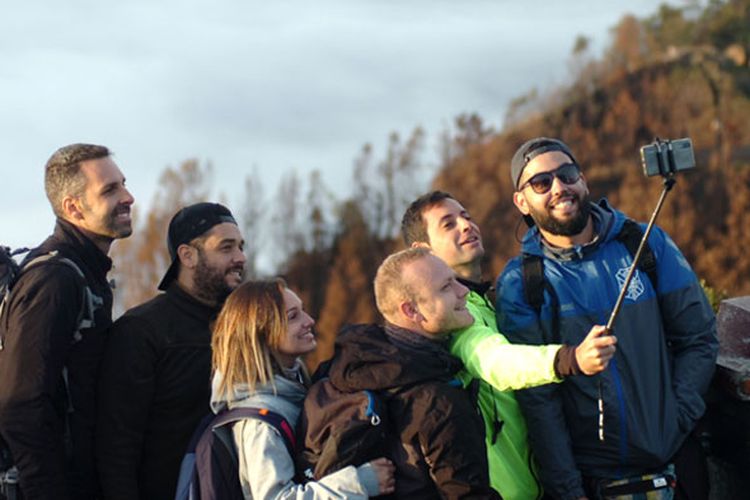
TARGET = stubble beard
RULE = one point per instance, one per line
(115, 229)
(109, 228)
(210, 283)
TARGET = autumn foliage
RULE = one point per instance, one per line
(683, 72)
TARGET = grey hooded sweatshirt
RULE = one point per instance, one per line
(266, 469)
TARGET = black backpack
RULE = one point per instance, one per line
(534, 282)
(210, 469)
(10, 271)
(337, 429)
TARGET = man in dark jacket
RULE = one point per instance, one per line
(155, 385)
(438, 440)
(48, 367)
(636, 417)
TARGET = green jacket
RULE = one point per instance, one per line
(502, 367)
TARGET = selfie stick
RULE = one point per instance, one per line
(668, 185)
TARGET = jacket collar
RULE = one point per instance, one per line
(380, 358)
(190, 305)
(72, 243)
(484, 291)
(607, 224)
(480, 288)
(409, 338)
(284, 396)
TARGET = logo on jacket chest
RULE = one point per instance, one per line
(636, 288)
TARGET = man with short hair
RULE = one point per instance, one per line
(435, 437)
(633, 419)
(155, 385)
(438, 222)
(49, 357)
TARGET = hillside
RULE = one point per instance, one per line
(682, 72)
(695, 95)
(679, 73)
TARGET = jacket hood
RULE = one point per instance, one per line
(607, 224)
(369, 357)
(285, 399)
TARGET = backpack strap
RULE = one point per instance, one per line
(274, 419)
(90, 302)
(532, 268)
(209, 468)
(534, 285)
(630, 235)
(9, 271)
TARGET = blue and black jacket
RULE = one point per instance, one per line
(652, 389)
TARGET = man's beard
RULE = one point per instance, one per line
(210, 282)
(118, 229)
(109, 227)
(570, 227)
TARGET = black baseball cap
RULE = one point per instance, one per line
(531, 149)
(186, 225)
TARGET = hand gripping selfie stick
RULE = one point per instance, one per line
(658, 158)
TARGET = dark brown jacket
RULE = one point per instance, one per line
(437, 435)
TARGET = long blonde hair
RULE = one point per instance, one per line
(249, 327)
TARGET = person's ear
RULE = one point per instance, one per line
(421, 244)
(585, 185)
(519, 200)
(188, 256)
(72, 209)
(410, 311)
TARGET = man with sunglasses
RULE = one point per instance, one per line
(635, 418)
(438, 222)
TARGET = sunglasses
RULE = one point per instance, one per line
(542, 182)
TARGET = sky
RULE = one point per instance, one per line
(276, 86)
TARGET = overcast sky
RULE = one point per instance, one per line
(279, 85)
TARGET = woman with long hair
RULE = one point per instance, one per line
(260, 334)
